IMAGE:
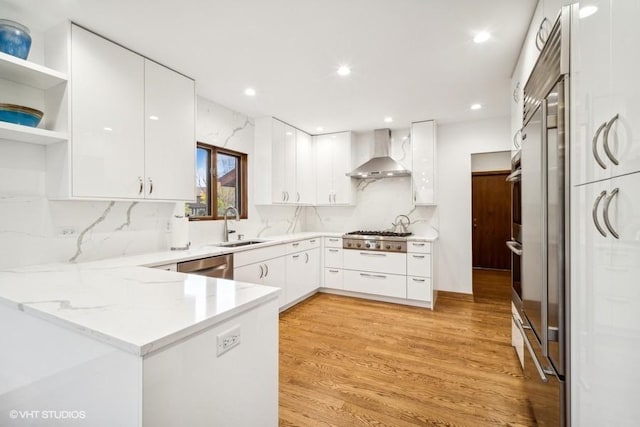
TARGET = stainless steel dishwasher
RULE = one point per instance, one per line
(220, 266)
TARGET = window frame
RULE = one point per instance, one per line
(213, 190)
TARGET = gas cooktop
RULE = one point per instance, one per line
(383, 241)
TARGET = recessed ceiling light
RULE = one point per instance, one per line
(587, 11)
(319, 129)
(476, 106)
(482, 37)
(250, 91)
(388, 119)
(344, 70)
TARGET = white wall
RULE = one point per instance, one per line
(487, 162)
(456, 143)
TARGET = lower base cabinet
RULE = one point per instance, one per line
(303, 274)
(391, 285)
(419, 288)
(270, 273)
(333, 278)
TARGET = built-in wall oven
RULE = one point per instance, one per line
(515, 244)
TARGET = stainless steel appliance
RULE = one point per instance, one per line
(545, 231)
(515, 244)
(217, 266)
(384, 241)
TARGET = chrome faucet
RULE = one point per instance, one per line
(226, 230)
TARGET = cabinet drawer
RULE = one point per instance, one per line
(419, 247)
(382, 262)
(333, 257)
(419, 288)
(333, 242)
(391, 285)
(333, 278)
(302, 245)
(252, 256)
(419, 265)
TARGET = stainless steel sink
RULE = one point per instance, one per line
(240, 243)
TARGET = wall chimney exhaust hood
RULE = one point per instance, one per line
(381, 165)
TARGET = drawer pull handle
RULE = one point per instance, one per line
(295, 244)
(374, 276)
(334, 271)
(372, 254)
(418, 244)
(418, 280)
(296, 256)
(418, 256)
(312, 241)
(333, 250)
(333, 240)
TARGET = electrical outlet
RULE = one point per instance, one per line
(67, 231)
(228, 339)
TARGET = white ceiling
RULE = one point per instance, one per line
(411, 59)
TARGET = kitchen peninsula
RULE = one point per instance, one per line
(132, 346)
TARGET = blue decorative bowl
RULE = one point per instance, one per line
(14, 39)
(20, 115)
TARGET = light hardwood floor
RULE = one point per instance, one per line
(352, 362)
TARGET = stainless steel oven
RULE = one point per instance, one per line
(515, 244)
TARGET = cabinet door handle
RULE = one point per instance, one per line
(372, 254)
(329, 197)
(516, 139)
(287, 196)
(541, 37)
(295, 244)
(418, 280)
(283, 196)
(594, 213)
(374, 276)
(607, 222)
(516, 98)
(594, 146)
(297, 196)
(306, 261)
(607, 149)
(333, 240)
(334, 271)
(141, 184)
(261, 271)
(150, 186)
(266, 269)
(312, 241)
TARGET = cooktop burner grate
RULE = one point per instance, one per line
(377, 233)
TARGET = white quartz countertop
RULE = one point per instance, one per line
(137, 309)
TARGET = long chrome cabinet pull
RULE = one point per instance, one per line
(594, 146)
(372, 254)
(594, 213)
(607, 222)
(607, 150)
(376, 276)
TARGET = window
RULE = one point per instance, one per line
(221, 181)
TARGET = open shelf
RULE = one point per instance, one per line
(30, 74)
(30, 135)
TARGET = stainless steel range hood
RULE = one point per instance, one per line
(381, 165)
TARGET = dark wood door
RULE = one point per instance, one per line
(491, 210)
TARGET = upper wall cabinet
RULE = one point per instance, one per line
(287, 153)
(132, 127)
(333, 162)
(606, 65)
(423, 171)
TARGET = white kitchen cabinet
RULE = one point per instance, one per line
(423, 172)
(333, 278)
(333, 257)
(384, 284)
(374, 261)
(332, 163)
(302, 245)
(269, 272)
(606, 63)
(132, 124)
(107, 103)
(605, 302)
(303, 274)
(420, 271)
(169, 142)
(287, 153)
(333, 242)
